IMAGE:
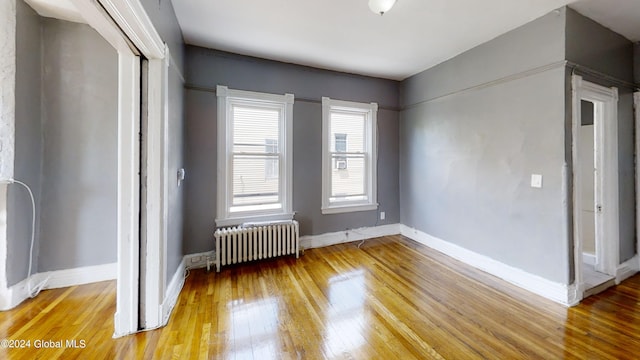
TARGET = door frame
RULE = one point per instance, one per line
(127, 27)
(636, 106)
(606, 178)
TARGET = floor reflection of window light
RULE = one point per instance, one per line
(254, 329)
(345, 320)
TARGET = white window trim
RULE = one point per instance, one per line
(371, 159)
(225, 145)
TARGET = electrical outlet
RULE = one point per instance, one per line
(382, 215)
(536, 181)
(196, 259)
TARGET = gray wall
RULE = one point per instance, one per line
(467, 155)
(636, 62)
(69, 149)
(175, 161)
(79, 117)
(594, 47)
(164, 20)
(208, 68)
(538, 43)
(28, 151)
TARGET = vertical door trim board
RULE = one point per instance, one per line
(156, 202)
(126, 317)
(606, 140)
(157, 187)
(576, 122)
(636, 105)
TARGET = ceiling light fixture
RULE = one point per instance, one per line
(381, 6)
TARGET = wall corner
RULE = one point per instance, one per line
(7, 127)
(636, 63)
(7, 87)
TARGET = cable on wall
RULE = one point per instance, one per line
(32, 291)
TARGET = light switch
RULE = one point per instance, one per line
(536, 181)
(180, 176)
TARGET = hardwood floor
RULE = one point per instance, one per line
(392, 298)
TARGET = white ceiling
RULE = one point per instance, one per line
(621, 16)
(344, 35)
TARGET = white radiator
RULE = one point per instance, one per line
(254, 242)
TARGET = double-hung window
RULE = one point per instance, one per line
(254, 156)
(348, 156)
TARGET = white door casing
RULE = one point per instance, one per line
(607, 235)
(636, 105)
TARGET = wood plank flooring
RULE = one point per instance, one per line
(391, 298)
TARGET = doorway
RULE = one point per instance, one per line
(125, 25)
(595, 200)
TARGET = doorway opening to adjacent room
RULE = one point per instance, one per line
(595, 186)
(139, 108)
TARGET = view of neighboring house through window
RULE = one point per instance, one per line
(349, 148)
(255, 184)
(271, 163)
(254, 149)
(341, 147)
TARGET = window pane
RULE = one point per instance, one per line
(254, 181)
(253, 128)
(340, 162)
(348, 182)
(349, 156)
(271, 164)
(347, 125)
(341, 142)
(251, 185)
(255, 176)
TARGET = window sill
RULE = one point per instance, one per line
(256, 218)
(348, 208)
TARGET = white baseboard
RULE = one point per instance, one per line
(190, 261)
(589, 259)
(58, 279)
(201, 260)
(627, 269)
(173, 292)
(5, 299)
(339, 237)
(561, 293)
(79, 276)
(15, 294)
